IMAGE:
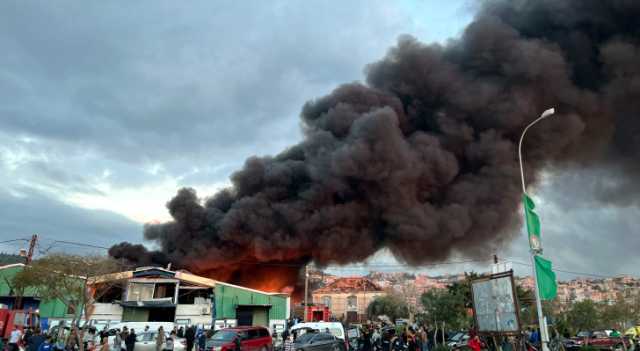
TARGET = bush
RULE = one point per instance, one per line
(588, 348)
(441, 347)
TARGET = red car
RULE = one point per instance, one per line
(241, 338)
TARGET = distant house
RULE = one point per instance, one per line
(348, 298)
(154, 294)
(8, 296)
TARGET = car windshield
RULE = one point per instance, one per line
(305, 338)
(457, 337)
(223, 335)
(583, 334)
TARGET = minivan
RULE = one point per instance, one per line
(248, 338)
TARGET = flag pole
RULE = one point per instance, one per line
(544, 336)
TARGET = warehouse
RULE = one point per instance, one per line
(153, 294)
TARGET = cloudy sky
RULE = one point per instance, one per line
(107, 108)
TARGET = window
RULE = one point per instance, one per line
(263, 333)
(140, 292)
(253, 333)
(324, 337)
(326, 300)
(352, 302)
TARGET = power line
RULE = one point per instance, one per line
(80, 244)
(13, 240)
(574, 272)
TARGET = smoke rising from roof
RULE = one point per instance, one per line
(422, 158)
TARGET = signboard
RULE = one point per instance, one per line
(494, 304)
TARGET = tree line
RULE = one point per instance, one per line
(453, 307)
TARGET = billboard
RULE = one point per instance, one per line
(494, 304)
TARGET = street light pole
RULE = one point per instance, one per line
(544, 336)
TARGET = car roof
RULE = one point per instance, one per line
(317, 325)
(243, 328)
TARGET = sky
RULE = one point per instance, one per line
(106, 110)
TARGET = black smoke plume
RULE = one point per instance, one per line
(422, 158)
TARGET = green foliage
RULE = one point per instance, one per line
(617, 314)
(583, 315)
(64, 277)
(444, 306)
(392, 306)
(588, 348)
(441, 347)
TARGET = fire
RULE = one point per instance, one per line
(265, 276)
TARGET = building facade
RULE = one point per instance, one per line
(153, 294)
(348, 298)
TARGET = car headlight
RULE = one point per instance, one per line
(216, 348)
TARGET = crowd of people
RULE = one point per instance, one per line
(105, 340)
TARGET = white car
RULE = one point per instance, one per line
(334, 328)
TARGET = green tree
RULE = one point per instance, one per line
(583, 315)
(74, 280)
(444, 306)
(618, 315)
(392, 306)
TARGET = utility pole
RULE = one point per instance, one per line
(29, 258)
(32, 246)
(306, 290)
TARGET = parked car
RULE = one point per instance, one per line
(458, 340)
(243, 338)
(319, 342)
(334, 328)
(600, 339)
(147, 341)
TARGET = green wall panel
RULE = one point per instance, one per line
(228, 297)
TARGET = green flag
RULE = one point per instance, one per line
(546, 279)
(533, 223)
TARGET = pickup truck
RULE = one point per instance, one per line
(600, 339)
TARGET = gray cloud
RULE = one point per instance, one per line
(35, 213)
(92, 87)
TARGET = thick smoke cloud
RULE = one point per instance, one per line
(422, 158)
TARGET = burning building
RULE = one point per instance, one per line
(348, 298)
(153, 294)
(421, 158)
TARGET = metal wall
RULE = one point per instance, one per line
(228, 297)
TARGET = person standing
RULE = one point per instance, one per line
(475, 344)
(160, 339)
(104, 344)
(202, 341)
(375, 339)
(117, 341)
(14, 339)
(190, 336)
(35, 341)
(288, 343)
(46, 345)
(146, 332)
(168, 344)
(130, 341)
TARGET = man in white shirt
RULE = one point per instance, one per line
(14, 339)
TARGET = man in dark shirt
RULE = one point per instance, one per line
(190, 336)
(35, 340)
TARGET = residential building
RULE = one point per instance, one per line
(348, 298)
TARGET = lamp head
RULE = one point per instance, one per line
(548, 112)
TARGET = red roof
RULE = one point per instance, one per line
(346, 285)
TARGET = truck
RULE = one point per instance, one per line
(16, 318)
